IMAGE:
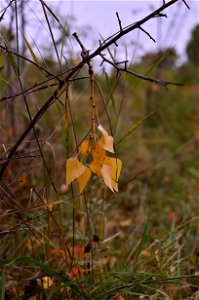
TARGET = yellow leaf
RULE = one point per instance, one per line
(85, 148)
(116, 166)
(83, 179)
(116, 169)
(106, 173)
(98, 158)
(107, 168)
(99, 152)
(74, 169)
(107, 139)
(32, 243)
(47, 282)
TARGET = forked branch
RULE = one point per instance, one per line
(85, 60)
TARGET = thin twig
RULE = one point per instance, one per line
(119, 21)
(155, 80)
(186, 4)
(28, 60)
(111, 40)
(147, 33)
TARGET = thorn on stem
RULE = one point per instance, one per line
(147, 33)
(119, 21)
(161, 15)
(186, 4)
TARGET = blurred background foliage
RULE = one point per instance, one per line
(159, 185)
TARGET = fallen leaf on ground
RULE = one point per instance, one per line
(75, 272)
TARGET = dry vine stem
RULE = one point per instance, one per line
(85, 60)
(85, 55)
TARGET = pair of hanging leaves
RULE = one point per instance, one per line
(105, 167)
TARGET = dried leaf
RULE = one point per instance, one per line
(32, 243)
(85, 148)
(47, 282)
(57, 252)
(74, 169)
(83, 179)
(106, 174)
(98, 158)
(116, 170)
(106, 167)
(115, 166)
(75, 272)
(119, 297)
(78, 253)
(107, 139)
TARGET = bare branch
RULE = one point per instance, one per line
(147, 33)
(78, 40)
(186, 4)
(119, 21)
(28, 60)
(150, 79)
(162, 15)
(111, 40)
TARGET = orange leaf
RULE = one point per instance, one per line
(106, 173)
(107, 168)
(119, 297)
(107, 140)
(85, 148)
(110, 172)
(116, 166)
(83, 179)
(75, 272)
(98, 158)
(74, 169)
(57, 252)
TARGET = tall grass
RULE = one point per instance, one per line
(139, 243)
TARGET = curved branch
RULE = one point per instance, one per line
(143, 77)
(111, 40)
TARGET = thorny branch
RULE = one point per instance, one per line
(125, 69)
(70, 75)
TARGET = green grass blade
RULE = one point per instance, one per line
(13, 63)
(110, 90)
(31, 50)
(134, 127)
(3, 285)
(143, 240)
(46, 269)
(153, 66)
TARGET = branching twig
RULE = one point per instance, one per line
(186, 4)
(119, 21)
(8, 51)
(105, 45)
(147, 33)
(154, 80)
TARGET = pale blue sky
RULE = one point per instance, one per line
(101, 17)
